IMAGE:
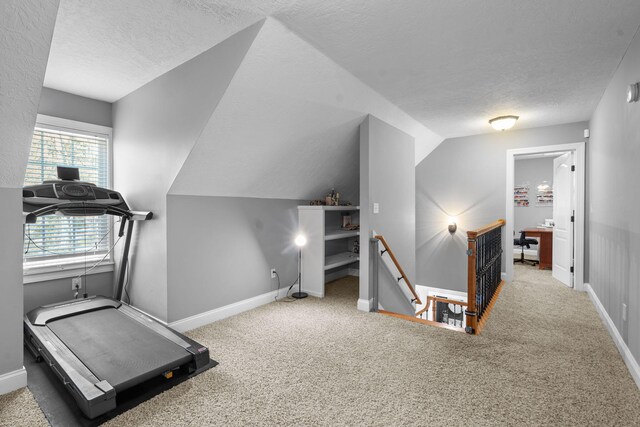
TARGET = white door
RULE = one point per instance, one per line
(563, 210)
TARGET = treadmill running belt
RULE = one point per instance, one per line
(117, 348)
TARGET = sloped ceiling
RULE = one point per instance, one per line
(287, 126)
(450, 64)
(26, 28)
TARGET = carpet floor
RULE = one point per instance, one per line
(544, 358)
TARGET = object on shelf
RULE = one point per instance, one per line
(352, 227)
(346, 219)
(545, 194)
(331, 199)
(521, 195)
(356, 246)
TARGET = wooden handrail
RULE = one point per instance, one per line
(400, 270)
(424, 309)
(446, 300)
(485, 229)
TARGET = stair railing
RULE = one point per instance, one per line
(484, 268)
(403, 276)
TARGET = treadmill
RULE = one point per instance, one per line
(100, 346)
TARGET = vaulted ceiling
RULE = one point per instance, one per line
(451, 64)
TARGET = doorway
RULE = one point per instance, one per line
(549, 206)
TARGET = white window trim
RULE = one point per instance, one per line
(73, 266)
(62, 271)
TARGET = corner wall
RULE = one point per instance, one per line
(258, 122)
(387, 177)
(26, 28)
(614, 206)
(155, 129)
(466, 178)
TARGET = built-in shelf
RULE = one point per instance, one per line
(340, 234)
(322, 225)
(338, 260)
(330, 208)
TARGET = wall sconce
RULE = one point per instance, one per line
(633, 93)
(452, 224)
(503, 122)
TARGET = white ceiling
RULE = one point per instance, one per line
(451, 64)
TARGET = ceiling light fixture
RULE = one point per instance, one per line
(633, 92)
(503, 122)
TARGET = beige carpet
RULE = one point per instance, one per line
(543, 359)
(19, 408)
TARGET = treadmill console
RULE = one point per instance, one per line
(73, 197)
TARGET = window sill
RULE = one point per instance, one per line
(62, 271)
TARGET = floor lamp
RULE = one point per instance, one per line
(300, 241)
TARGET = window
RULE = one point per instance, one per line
(56, 240)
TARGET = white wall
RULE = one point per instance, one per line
(533, 172)
(26, 28)
(387, 178)
(613, 205)
(466, 177)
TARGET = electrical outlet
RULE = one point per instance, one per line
(76, 283)
(624, 312)
(376, 208)
(273, 273)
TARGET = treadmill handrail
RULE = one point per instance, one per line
(32, 217)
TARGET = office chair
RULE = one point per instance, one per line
(522, 242)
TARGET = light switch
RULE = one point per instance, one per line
(376, 208)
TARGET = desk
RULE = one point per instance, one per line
(545, 240)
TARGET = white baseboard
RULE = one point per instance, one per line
(629, 360)
(365, 304)
(220, 313)
(13, 380)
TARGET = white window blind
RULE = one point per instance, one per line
(56, 238)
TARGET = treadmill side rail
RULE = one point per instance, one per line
(93, 396)
(199, 352)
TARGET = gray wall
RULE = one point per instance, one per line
(613, 204)
(26, 28)
(52, 291)
(11, 284)
(387, 177)
(533, 172)
(155, 128)
(221, 250)
(466, 177)
(73, 107)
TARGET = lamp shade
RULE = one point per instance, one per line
(503, 122)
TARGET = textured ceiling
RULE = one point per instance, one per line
(450, 64)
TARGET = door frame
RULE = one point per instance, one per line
(579, 231)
